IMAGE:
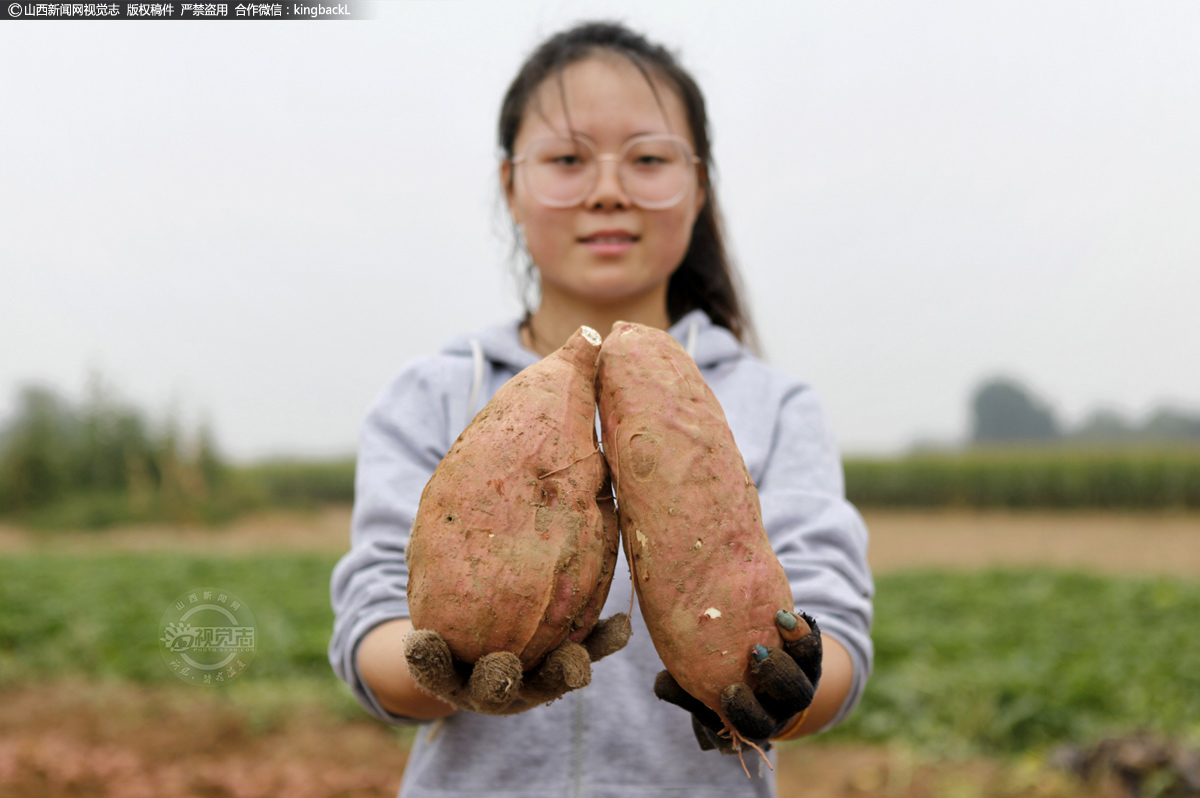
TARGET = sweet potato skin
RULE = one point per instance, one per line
(708, 582)
(515, 539)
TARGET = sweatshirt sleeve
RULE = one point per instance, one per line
(819, 537)
(401, 443)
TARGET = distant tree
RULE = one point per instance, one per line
(1004, 411)
(52, 450)
(1105, 426)
(1169, 425)
(36, 455)
(1164, 425)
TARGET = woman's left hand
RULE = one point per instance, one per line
(787, 681)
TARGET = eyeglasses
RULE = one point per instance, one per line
(655, 171)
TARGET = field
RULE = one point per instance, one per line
(1001, 637)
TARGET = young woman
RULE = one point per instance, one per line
(606, 174)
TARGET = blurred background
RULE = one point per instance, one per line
(971, 228)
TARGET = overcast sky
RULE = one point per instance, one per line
(261, 222)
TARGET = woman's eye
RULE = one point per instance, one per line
(567, 160)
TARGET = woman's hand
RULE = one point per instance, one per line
(496, 685)
(380, 661)
(787, 683)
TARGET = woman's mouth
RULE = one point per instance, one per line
(609, 242)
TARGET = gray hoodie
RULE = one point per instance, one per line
(612, 738)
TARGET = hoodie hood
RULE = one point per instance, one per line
(500, 344)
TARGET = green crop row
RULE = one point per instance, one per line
(296, 483)
(101, 462)
(99, 615)
(994, 662)
(1015, 661)
(1049, 478)
(1053, 479)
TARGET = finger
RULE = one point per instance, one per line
(792, 626)
(608, 636)
(430, 662)
(495, 681)
(667, 689)
(514, 707)
(704, 735)
(709, 740)
(566, 668)
(806, 648)
(745, 713)
(783, 688)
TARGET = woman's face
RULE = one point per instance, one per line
(605, 250)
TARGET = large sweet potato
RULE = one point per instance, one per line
(515, 539)
(708, 582)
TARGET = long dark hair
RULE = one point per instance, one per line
(706, 278)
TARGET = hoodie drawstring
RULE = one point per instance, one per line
(476, 380)
(691, 338)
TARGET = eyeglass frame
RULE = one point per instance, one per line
(608, 156)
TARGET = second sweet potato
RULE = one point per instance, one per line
(708, 582)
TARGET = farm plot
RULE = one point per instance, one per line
(990, 653)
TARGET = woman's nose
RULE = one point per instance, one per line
(608, 191)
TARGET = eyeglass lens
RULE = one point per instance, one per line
(654, 172)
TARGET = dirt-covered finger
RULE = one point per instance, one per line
(566, 668)
(745, 713)
(608, 636)
(667, 689)
(783, 687)
(430, 662)
(705, 736)
(495, 682)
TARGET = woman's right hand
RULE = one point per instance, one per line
(496, 685)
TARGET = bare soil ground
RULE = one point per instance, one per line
(85, 740)
(1109, 543)
(1115, 543)
(324, 530)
